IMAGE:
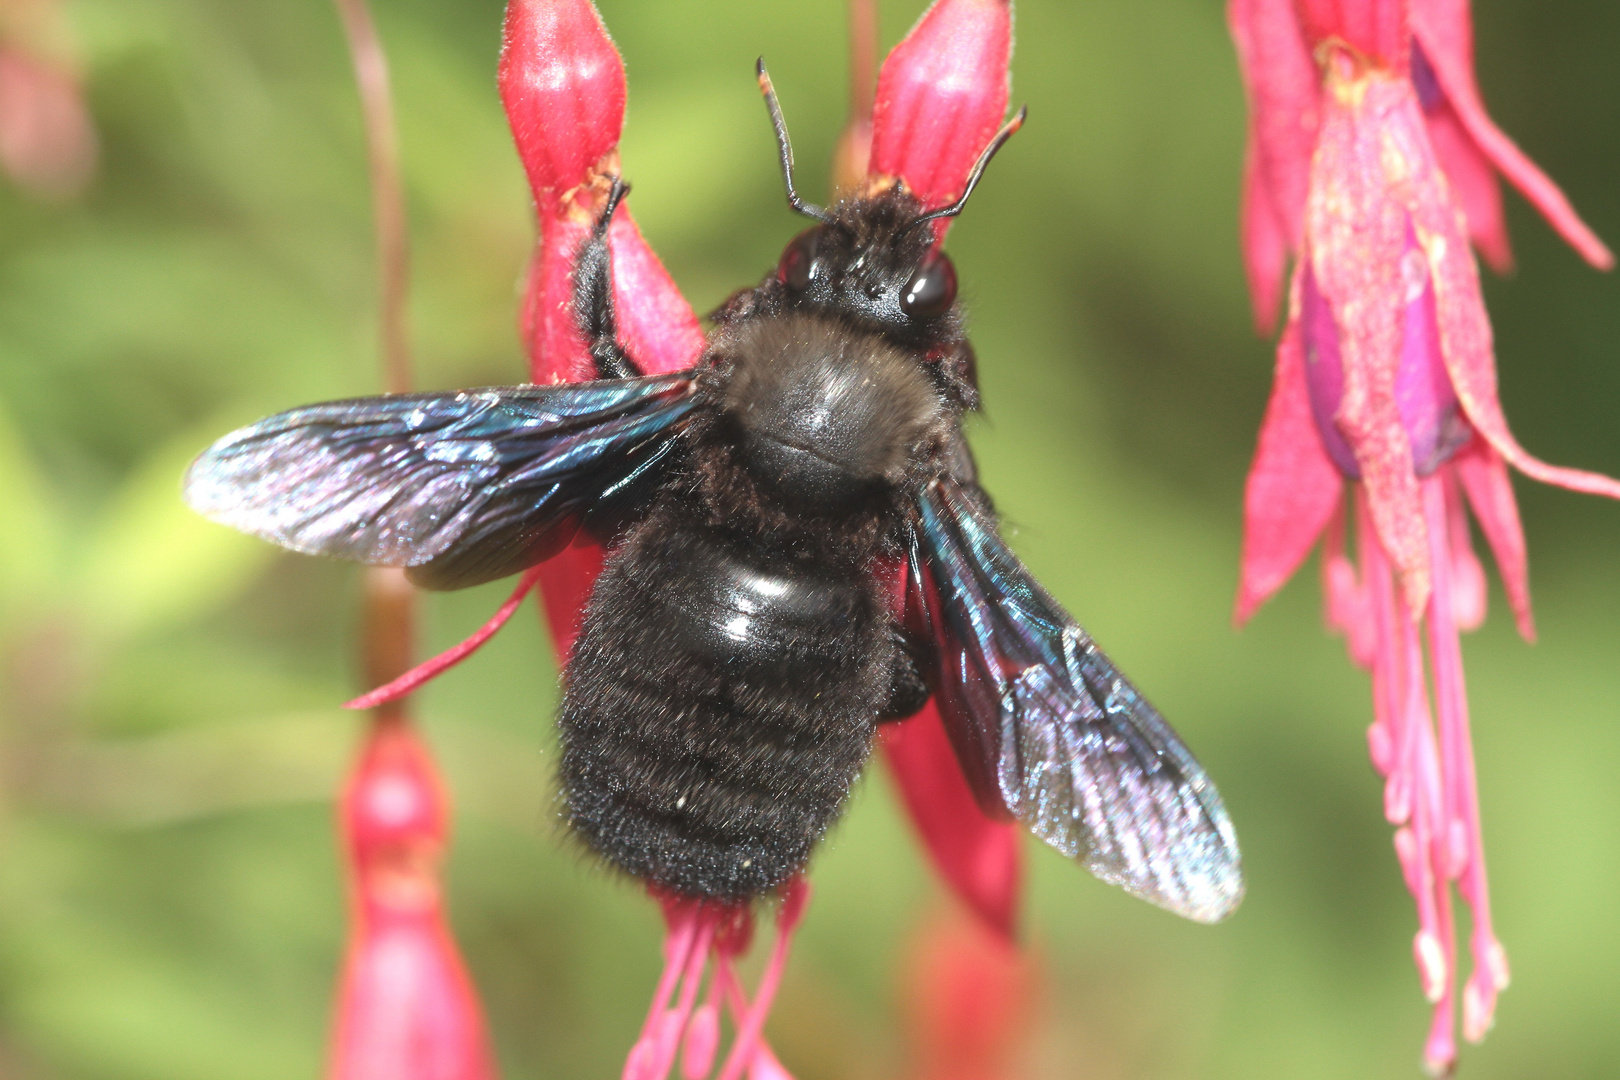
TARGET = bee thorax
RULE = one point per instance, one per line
(824, 413)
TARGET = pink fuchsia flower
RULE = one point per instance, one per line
(406, 1008)
(48, 144)
(941, 96)
(969, 998)
(1431, 42)
(1386, 379)
(940, 99)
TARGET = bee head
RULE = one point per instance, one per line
(869, 264)
(873, 259)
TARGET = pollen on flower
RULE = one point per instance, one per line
(1478, 1016)
(1431, 964)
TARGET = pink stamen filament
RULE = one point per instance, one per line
(1431, 791)
(697, 930)
(431, 669)
(702, 1039)
(1465, 846)
(682, 920)
(1377, 581)
(752, 1023)
(671, 1025)
(1413, 798)
(737, 1004)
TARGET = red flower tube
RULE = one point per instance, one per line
(562, 83)
(406, 1009)
(969, 999)
(941, 95)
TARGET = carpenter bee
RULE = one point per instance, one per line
(741, 646)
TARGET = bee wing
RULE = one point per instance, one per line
(1047, 728)
(460, 487)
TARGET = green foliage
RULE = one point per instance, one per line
(170, 900)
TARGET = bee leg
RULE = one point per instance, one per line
(908, 686)
(593, 295)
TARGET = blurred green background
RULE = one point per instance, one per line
(171, 903)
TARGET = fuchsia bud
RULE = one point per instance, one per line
(941, 96)
(562, 82)
(406, 1009)
(47, 143)
(394, 807)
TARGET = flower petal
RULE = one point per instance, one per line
(566, 581)
(1445, 31)
(1475, 185)
(979, 858)
(941, 96)
(1466, 340)
(546, 319)
(969, 1000)
(657, 327)
(1467, 575)
(1372, 147)
(1374, 28)
(1265, 243)
(1283, 88)
(406, 1010)
(1484, 478)
(1292, 490)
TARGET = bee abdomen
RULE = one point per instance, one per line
(719, 706)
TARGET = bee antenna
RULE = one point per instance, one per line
(784, 147)
(996, 144)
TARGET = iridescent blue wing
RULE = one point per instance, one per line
(460, 487)
(1047, 728)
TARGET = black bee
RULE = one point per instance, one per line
(740, 646)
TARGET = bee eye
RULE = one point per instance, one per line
(932, 289)
(798, 263)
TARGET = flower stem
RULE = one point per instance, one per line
(863, 49)
(387, 190)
